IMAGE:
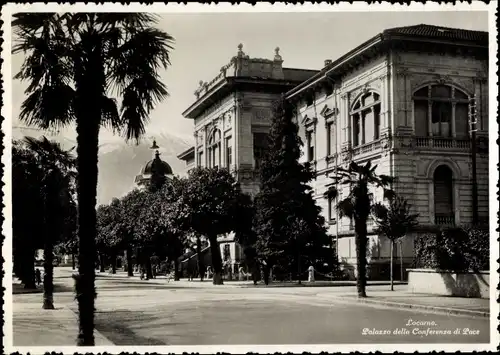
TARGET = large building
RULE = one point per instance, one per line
(232, 118)
(404, 101)
(401, 100)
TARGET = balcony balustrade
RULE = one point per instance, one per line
(444, 220)
(366, 148)
(443, 143)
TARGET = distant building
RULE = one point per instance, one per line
(232, 117)
(188, 157)
(402, 100)
(142, 180)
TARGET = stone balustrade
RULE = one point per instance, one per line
(443, 143)
(444, 220)
(366, 148)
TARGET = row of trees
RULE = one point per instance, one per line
(44, 208)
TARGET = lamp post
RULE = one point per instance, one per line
(473, 130)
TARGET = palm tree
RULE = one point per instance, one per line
(394, 221)
(358, 206)
(75, 63)
(55, 185)
(27, 220)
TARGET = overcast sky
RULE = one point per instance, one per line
(205, 42)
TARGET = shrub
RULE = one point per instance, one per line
(456, 249)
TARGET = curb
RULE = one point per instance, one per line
(433, 309)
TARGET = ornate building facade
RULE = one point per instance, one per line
(403, 100)
(232, 118)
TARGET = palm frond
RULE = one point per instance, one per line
(346, 208)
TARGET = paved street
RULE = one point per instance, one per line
(135, 312)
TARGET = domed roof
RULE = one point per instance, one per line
(147, 169)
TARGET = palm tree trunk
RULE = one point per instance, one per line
(392, 265)
(87, 149)
(130, 267)
(73, 265)
(216, 260)
(361, 241)
(48, 277)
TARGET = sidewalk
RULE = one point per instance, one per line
(478, 307)
(34, 326)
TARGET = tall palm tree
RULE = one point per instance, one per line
(75, 63)
(56, 165)
(358, 207)
(27, 220)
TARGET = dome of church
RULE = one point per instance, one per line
(144, 177)
(146, 170)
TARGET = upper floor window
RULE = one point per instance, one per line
(310, 145)
(365, 116)
(260, 146)
(229, 152)
(214, 149)
(442, 111)
(331, 140)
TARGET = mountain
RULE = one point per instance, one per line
(120, 162)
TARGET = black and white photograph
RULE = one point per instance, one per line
(237, 178)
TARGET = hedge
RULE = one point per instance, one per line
(456, 249)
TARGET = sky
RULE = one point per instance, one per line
(204, 42)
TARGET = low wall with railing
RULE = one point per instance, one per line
(449, 283)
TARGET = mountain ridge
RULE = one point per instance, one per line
(120, 162)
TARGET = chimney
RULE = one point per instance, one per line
(328, 62)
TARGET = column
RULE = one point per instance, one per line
(362, 118)
(431, 201)
(196, 163)
(453, 124)
(429, 119)
(205, 146)
(477, 93)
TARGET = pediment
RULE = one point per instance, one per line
(307, 121)
(327, 112)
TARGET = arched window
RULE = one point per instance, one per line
(443, 196)
(365, 118)
(441, 111)
(214, 149)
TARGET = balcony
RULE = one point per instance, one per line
(444, 220)
(463, 144)
(366, 148)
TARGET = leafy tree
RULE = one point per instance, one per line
(213, 206)
(73, 62)
(394, 221)
(288, 223)
(358, 206)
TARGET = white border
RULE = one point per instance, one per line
(10, 8)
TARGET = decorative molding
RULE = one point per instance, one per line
(346, 154)
(328, 112)
(309, 121)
